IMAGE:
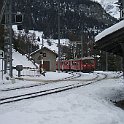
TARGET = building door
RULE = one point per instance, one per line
(46, 65)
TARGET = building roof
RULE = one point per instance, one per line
(43, 49)
(110, 40)
(110, 30)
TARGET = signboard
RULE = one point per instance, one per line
(122, 13)
(1, 54)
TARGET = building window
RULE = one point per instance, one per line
(44, 54)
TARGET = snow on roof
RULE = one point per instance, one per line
(110, 30)
(44, 48)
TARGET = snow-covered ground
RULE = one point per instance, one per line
(89, 104)
(84, 105)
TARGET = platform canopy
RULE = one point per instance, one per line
(112, 39)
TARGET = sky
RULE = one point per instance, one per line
(84, 105)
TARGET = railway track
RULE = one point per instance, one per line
(16, 98)
(73, 76)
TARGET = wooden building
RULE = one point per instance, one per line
(47, 56)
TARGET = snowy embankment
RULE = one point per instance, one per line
(18, 59)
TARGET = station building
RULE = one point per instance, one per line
(47, 56)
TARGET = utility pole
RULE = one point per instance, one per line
(8, 38)
(82, 40)
(2, 10)
(106, 61)
(58, 36)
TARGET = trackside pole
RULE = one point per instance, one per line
(122, 47)
(2, 69)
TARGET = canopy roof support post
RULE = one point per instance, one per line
(122, 47)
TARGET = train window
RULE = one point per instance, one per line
(66, 63)
(71, 63)
(74, 63)
(90, 61)
(84, 61)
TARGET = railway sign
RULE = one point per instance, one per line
(122, 13)
(1, 54)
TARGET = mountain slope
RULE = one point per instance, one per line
(75, 17)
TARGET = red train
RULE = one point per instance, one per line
(86, 64)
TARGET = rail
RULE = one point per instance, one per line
(48, 91)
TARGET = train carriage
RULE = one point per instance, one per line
(75, 65)
(88, 64)
(85, 64)
(64, 65)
